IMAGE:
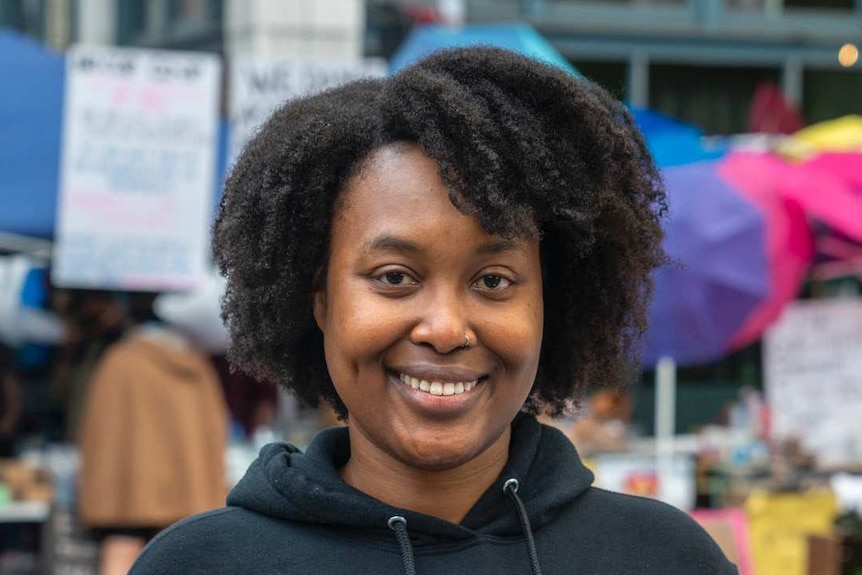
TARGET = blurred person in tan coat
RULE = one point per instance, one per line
(152, 440)
(10, 401)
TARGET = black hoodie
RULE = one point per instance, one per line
(292, 514)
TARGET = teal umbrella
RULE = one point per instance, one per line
(516, 37)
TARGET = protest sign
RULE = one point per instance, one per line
(813, 378)
(259, 86)
(137, 169)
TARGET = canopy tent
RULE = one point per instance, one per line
(519, 38)
(31, 116)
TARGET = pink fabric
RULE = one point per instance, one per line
(844, 165)
(738, 522)
(789, 241)
(824, 189)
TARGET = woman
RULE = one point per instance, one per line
(152, 439)
(440, 256)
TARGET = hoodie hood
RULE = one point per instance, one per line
(168, 350)
(306, 487)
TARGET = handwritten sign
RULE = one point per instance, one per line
(813, 376)
(137, 168)
(258, 87)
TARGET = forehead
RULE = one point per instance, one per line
(400, 169)
(396, 184)
(397, 202)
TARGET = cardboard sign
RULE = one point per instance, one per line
(729, 528)
(670, 480)
(137, 169)
(780, 525)
(258, 87)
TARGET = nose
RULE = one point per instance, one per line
(442, 322)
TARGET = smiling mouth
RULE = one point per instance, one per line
(438, 387)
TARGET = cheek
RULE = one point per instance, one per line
(357, 329)
(516, 336)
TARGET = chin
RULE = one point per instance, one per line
(437, 462)
(436, 457)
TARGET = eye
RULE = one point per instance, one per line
(492, 282)
(394, 279)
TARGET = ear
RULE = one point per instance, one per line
(319, 305)
(319, 298)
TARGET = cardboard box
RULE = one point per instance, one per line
(824, 555)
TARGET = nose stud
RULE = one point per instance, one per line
(466, 340)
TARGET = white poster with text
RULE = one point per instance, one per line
(813, 376)
(259, 86)
(138, 169)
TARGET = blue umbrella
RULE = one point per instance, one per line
(31, 115)
(671, 141)
(516, 37)
(721, 273)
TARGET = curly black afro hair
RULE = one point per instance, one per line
(521, 145)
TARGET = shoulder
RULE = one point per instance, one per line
(231, 541)
(662, 533)
(118, 354)
(199, 544)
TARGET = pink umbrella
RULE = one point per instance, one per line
(789, 242)
(823, 188)
(839, 249)
(846, 166)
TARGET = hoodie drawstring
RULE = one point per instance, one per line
(510, 488)
(399, 525)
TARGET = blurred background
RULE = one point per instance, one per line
(120, 118)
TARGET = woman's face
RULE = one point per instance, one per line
(408, 277)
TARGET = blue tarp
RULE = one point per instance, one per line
(31, 116)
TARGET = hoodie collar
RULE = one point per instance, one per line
(285, 483)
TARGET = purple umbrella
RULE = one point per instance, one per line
(721, 271)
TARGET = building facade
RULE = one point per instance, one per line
(699, 60)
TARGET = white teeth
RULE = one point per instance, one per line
(436, 387)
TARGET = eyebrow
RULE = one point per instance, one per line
(390, 244)
(396, 244)
(498, 247)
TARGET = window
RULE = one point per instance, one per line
(828, 94)
(132, 21)
(820, 4)
(612, 76)
(172, 24)
(26, 16)
(193, 12)
(715, 99)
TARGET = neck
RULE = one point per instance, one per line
(448, 494)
